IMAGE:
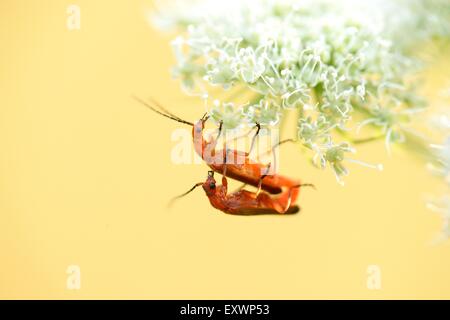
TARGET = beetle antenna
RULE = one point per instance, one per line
(306, 185)
(184, 194)
(165, 113)
(156, 103)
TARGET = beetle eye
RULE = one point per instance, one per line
(212, 185)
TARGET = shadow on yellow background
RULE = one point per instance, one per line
(85, 175)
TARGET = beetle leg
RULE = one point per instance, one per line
(288, 204)
(272, 150)
(225, 158)
(258, 129)
(261, 179)
(220, 130)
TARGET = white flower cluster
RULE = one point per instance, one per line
(334, 62)
(441, 205)
(441, 168)
(423, 19)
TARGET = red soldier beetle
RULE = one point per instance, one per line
(243, 170)
(244, 202)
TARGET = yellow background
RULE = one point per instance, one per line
(85, 175)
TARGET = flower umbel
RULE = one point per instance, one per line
(340, 65)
